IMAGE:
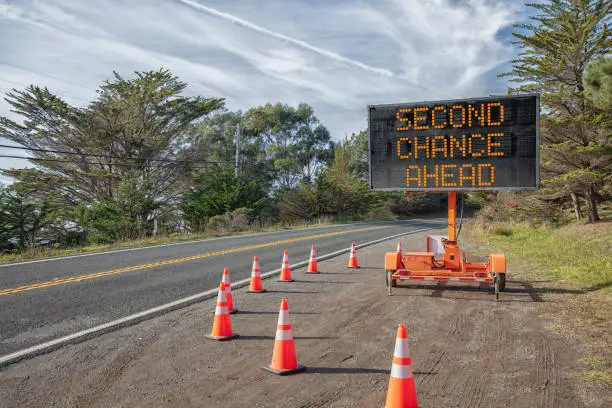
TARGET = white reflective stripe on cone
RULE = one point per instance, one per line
(219, 310)
(221, 296)
(428, 278)
(401, 348)
(284, 335)
(402, 372)
(283, 317)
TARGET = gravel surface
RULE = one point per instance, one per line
(467, 350)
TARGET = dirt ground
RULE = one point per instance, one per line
(467, 350)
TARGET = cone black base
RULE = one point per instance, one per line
(256, 291)
(223, 338)
(299, 369)
(290, 280)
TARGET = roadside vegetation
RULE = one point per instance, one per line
(575, 252)
(142, 160)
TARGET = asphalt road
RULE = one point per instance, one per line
(43, 300)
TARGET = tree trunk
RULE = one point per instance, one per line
(576, 203)
(592, 205)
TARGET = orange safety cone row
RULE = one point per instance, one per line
(256, 286)
(228, 291)
(402, 391)
(284, 358)
(353, 258)
(285, 275)
(222, 325)
(312, 264)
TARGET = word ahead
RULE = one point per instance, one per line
(477, 144)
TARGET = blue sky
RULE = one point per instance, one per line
(337, 56)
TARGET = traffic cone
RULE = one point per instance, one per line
(312, 264)
(401, 392)
(353, 258)
(399, 247)
(284, 359)
(222, 326)
(285, 275)
(228, 292)
(256, 286)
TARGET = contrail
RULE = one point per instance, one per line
(299, 43)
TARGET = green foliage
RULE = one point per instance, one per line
(134, 129)
(566, 37)
(597, 82)
(123, 216)
(218, 192)
(294, 141)
(30, 210)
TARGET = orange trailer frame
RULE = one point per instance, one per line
(453, 266)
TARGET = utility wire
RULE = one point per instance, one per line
(111, 157)
(88, 162)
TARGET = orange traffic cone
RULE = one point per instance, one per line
(285, 275)
(222, 326)
(256, 286)
(312, 264)
(228, 292)
(399, 247)
(353, 258)
(401, 392)
(284, 359)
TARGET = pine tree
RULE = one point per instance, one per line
(576, 141)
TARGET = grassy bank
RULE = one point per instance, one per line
(577, 253)
(32, 254)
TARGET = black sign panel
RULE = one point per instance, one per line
(468, 144)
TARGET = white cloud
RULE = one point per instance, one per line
(293, 41)
(337, 56)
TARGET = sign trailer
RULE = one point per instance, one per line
(476, 144)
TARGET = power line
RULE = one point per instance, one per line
(111, 157)
(8, 64)
(60, 93)
(92, 163)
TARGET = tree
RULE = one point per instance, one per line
(576, 152)
(30, 210)
(220, 192)
(134, 130)
(295, 142)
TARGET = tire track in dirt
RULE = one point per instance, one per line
(555, 391)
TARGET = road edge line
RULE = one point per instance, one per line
(136, 318)
(195, 241)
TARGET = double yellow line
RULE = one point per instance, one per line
(72, 279)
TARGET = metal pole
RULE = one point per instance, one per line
(452, 214)
(237, 151)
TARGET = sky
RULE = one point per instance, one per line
(338, 56)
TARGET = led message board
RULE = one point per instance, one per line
(469, 144)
